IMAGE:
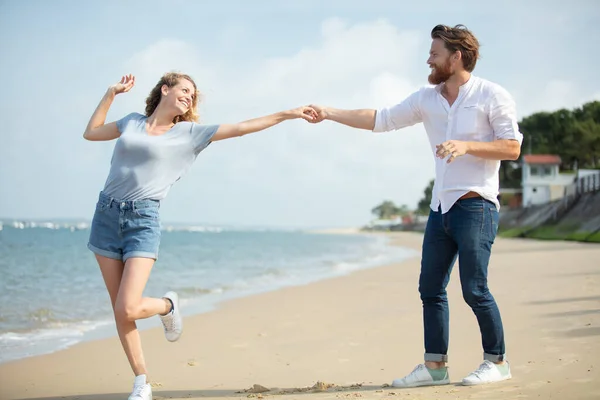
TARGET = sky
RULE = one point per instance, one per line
(253, 58)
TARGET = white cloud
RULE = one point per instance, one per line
(298, 173)
(554, 95)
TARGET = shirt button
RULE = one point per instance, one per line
(122, 204)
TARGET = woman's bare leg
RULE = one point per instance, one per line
(125, 284)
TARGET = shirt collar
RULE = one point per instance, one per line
(465, 86)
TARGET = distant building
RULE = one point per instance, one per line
(542, 182)
(385, 224)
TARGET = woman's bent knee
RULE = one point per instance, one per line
(126, 312)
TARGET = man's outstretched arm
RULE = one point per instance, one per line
(361, 119)
(401, 115)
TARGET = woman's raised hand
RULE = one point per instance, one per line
(124, 85)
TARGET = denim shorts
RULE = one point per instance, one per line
(124, 229)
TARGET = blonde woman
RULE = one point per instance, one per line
(152, 152)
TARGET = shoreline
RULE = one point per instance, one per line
(338, 231)
(357, 332)
(102, 329)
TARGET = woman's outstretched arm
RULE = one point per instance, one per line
(96, 129)
(227, 131)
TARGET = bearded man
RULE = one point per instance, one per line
(472, 125)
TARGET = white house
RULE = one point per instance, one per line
(541, 180)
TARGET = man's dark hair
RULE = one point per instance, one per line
(459, 38)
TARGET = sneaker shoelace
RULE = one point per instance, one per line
(415, 370)
(138, 390)
(483, 368)
(168, 322)
(418, 368)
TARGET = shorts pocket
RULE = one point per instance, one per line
(146, 212)
(101, 207)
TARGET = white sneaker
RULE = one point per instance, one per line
(487, 372)
(172, 321)
(420, 376)
(141, 392)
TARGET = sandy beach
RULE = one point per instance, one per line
(348, 337)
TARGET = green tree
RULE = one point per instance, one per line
(385, 210)
(403, 210)
(574, 135)
(423, 206)
(510, 174)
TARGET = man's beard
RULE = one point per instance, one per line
(440, 74)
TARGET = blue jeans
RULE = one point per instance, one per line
(468, 231)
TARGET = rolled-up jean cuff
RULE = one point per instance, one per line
(140, 254)
(436, 357)
(493, 357)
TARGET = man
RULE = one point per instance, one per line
(471, 124)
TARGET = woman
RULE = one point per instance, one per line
(152, 152)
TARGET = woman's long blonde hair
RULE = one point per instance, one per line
(171, 79)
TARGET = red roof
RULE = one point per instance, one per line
(541, 159)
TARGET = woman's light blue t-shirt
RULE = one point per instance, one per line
(144, 166)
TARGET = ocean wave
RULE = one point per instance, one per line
(56, 336)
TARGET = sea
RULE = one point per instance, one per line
(52, 295)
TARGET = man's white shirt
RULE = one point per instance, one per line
(482, 112)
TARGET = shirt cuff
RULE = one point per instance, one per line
(379, 121)
(511, 135)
